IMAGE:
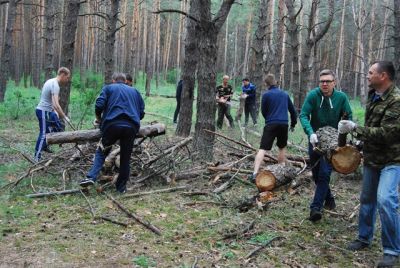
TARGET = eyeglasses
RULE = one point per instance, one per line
(325, 81)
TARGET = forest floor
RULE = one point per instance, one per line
(61, 231)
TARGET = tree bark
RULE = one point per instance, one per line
(396, 37)
(208, 48)
(189, 71)
(95, 134)
(293, 41)
(49, 36)
(68, 47)
(112, 19)
(6, 49)
(314, 35)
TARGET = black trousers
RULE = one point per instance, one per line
(224, 110)
(250, 108)
(178, 107)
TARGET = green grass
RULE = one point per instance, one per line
(59, 231)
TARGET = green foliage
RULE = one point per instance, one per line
(143, 261)
(262, 238)
(171, 76)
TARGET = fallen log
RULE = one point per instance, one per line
(80, 136)
(344, 158)
(275, 176)
(111, 157)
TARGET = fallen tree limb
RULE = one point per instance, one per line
(95, 134)
(38, 195)
(168, 190)
(239, 233)
(170, 150)
(113, 221)
(217, 169)
(148, 225)
(256, 250)
(160, 115)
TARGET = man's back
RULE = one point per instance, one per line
(275, 105)
(119, 101)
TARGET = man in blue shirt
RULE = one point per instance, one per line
(249, 92)
(119, 109)
(275, 105)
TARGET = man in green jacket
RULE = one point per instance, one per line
(323, 106)
(381, 173)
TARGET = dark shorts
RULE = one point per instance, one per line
(280, 132)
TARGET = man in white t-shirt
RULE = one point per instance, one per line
(49, 110)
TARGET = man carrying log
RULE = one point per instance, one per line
(275, 104)
(323, 106)
(223, 98)
(49, 110)
(119, 109)
(381, 174)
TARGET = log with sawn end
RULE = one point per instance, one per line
(80, 136)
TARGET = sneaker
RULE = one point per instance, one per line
(315, 215)
(388, 261)
(86, 182)
(330, 205)
(357, 245)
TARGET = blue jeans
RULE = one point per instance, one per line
(321, 173)
(380, 190)
(48, 122)
(126, 136)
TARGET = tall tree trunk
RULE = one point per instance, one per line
(49, 36)
(112, 19)
(339, 62)
(247, 46)
(208, 50)
(6, 49)
(257, 50)
(226, 42)
(396, 37)
(314, 35)
(293, 41)
(68, 47)
(279, 44)
(189, 71)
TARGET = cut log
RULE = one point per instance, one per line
(275, 176)
(346, 159)
(80, 136)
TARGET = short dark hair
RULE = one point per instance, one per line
(328, 72)
(119, 77)
(385, 66)
(246, 79)
(129, 78)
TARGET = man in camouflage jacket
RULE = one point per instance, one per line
(381, 174)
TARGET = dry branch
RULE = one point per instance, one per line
(239, 233)
(168, 190)
(255, 251)
(170, 150)
(113, 221)
(148, 225)
(38, 195)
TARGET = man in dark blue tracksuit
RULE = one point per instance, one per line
(119, 109)
(250, 103)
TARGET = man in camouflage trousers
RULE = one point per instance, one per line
(381, 174)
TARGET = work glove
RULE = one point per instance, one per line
(313, 139)
(346, 126)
